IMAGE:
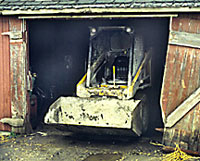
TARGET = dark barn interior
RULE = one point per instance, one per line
(58, 55)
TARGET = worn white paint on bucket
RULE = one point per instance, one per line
(99, 112)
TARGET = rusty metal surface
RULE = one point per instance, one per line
(5, 98)
(181, 79)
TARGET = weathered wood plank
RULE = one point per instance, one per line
(165, 96)
(182, 109)
(19, 70)
(91, 9)
(184, 39)
(98, 16)
(5, 98)
(183, 127)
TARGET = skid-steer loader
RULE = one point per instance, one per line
(110, 94)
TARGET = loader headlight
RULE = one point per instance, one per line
(128, 29)
(93, 30)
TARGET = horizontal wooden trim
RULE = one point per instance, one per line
(83, 9)
(183, 108)
(184, 39)
(16, 122)
(98, 16)
(13, 35)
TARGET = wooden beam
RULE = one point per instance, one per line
(184, 39)
(4, 133)
(100, 9)
(98, 16)
(183, 108)
(13, 122)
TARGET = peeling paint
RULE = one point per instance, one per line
(98, 112)
(5, 92)
(18, 56)
(181, 79)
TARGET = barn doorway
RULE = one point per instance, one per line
(58, 52)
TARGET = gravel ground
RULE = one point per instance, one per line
(49, 143)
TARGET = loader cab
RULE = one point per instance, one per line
(110, 55)
(117, 64)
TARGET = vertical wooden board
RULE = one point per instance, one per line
(172, 85)
(7, 71)
(198, 28)
(178, 70)
(193, 76)
(181, 77)
(186, 75)
(182, 68)
(16, 79)
(27, 67)
(19, 72)
(18, 82)
(5, 97)
(193, 26)
(1, 75)
(15, 24)
(167, 74)
(175, 24)
(198, 67)
(184, 24)
(178, 86)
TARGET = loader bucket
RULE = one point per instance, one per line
(96, 112)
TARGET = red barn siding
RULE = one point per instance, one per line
(181, 79)
(14, 98)
(182, 76)
(5, 93)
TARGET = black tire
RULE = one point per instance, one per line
(144, 110)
